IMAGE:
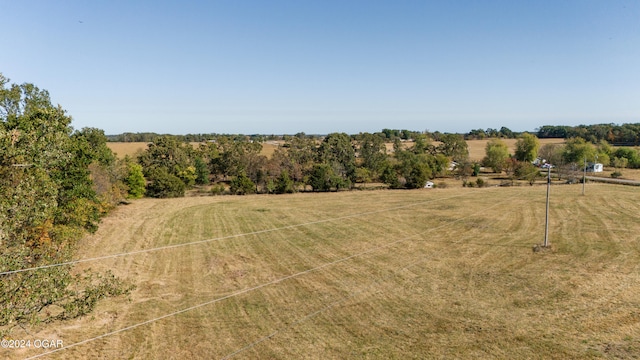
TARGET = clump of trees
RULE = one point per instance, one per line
(502, 133)
(567, 158)
(335, 162)
(55, 184)
(618, 135)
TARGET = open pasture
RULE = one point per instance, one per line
(477, 147)
(444, 273)
(122, 149)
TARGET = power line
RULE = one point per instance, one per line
(135, 252)
(339, 301)
(247, 290)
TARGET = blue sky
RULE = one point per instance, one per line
(277, 67)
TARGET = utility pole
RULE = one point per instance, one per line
(546, 222)
(584, 177)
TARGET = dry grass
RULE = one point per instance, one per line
(630, 174)
(477, 147)
(122, 149)
(444, 273)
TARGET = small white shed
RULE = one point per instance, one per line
(597, 167)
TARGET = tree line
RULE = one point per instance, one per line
(617, 135)
(567, 157)
(48, 200)
(335, 162)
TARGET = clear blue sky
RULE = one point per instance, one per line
(322, 66)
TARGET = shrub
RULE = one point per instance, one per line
(218, 189)
(284, 184)
(242, 185)
(616, 174)
(164, 185)
(135, 181)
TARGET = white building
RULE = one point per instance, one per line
(597, 167)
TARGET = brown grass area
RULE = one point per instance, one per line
(122, 149)
(477, 147)
(444, 273)
(268, 149)
(629, 174)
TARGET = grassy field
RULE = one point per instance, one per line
(122, 149)
(477, 147)
(444, 273)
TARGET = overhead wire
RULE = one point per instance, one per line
(343, 299)
(135, 252)
(247, 290)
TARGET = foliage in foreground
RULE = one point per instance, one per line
(48, 200)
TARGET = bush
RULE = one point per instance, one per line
(135, 181)
(218, 189)
(323, 178)
(242, 185)
(284, 184)
(616, 174)
(480, 183)
(164, 185)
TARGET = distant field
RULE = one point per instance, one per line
(122, 149)
(477, 147)
(443, 273)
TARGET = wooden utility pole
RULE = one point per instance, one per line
(584, 176)
(546, 222)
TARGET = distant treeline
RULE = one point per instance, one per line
(619, 135)
(388, 134)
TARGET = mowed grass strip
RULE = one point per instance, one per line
(452, 277)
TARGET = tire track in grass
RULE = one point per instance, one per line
(277, 281)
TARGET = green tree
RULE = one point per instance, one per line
(389, 176)
(242, 185)
(337, 151)
(413, 169)
(165, 161)
(323, 178)
(163, 184)
(284, 184)
(632, 155)
(166, 152)
(454, 146)
(135, 180)
(525, 170)
(620, 163)
(47, 202)
(372, 151)
(576, 150)
(527, 148)
(497, 153)
(202, 172)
